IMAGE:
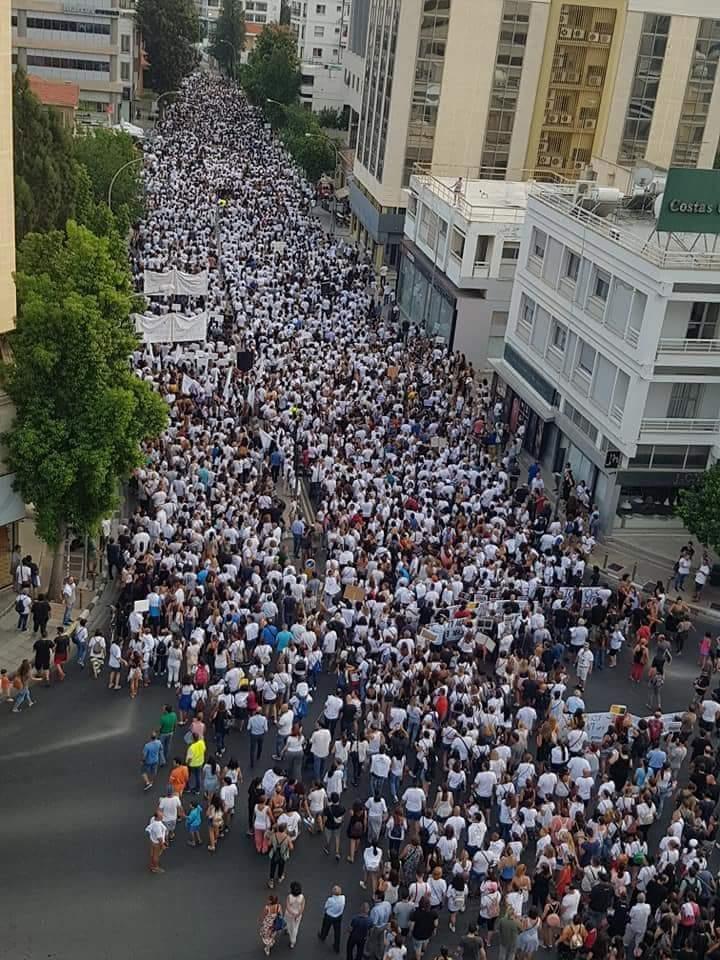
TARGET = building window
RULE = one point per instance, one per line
(580, 421)
(320, 9)
(684, 400)
(317, 52)
(510, 251)
(509, 56)
(318, 31)
(68, 63)
(526, 315)
(572, 266)
(586, 358)
(601, 286)
(68, 26)
(698, 94)
(457, 243)
(644, 91)
(539, 241)
(125, 43)
(558, 338)
(124, 71)
(481, 249)
(703, 321)
(412, 205)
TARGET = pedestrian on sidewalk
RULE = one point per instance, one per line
(23, 679)
(41, 614)
(62, 644)
(23, 605)
(157, 834)
(69, 595)
(80, 639)
(681, 570)
(701, 575)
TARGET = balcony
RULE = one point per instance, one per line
(654, 428)
(481, 268)
(694, 347)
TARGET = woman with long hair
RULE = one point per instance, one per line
(23, 678)
(270, 923)
(294, 909)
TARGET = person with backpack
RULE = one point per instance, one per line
(97, 654)
(23, 605)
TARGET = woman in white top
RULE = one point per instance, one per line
(438, 888)
(294, 909)
(372, 860)
(115, 663)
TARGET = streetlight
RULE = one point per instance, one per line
(166, 94)
(326, 139)
(234, 52)
(117, 174)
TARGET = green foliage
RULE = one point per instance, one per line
(80, 410)
(229, 38)
(103, 152)
(334, 119)
(169, 28)
(308, 144)
(699, 508)
(46, 173)
(273, 69)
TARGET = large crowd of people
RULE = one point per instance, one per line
(397, 675)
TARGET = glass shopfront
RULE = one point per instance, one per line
(424, 303)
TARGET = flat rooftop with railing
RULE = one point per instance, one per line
(502, 201)
(633, 230)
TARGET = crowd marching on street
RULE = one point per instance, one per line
(398, 679)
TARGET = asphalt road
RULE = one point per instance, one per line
(75, 880)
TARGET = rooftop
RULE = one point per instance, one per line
(479, 200)
(55, 93)
(633, 230)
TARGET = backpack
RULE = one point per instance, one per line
(19, 605)
(161, 648)
(97, 649)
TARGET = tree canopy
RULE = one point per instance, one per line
(273, 69)
(81, 412)
(229, 38)
(46, 174)
(103, 153)
(699, 508)
(169, 28)
(307, 142)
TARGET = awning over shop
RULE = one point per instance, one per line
(12, 506)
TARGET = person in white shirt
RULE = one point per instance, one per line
(320, 750)
(157, 834)
(115, 663)
(331, 711)
(171, 808)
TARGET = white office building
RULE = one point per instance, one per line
(612, 350)
(255, 11)
(88, 42)
(322, 30)
(460, 248)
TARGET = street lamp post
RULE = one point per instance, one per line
(166, 94)
(117, 174)
(326, 139)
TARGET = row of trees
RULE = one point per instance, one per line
(271, 79)
(81, 413)
(170, 30)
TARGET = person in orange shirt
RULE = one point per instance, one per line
(179, 776)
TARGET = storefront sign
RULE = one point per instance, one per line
(691, 202)
(530, 375)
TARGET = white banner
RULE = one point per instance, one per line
(171, 327)
(159, 284)
(175, 282)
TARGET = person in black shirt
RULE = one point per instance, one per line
(334, 813)
(423, 924)
(472, 945)
(358, 934)
(40, 610)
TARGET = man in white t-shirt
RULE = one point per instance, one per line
(320, 750)
(284, 726)
(171, 808)
(331, 712)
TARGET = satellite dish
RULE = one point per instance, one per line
(657, 206)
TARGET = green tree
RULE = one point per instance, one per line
(229, 38)
(103, 153)
(169, 28)
(307, 142)
(273, 69)
(46, 173)
(699, 508)
(81, 412)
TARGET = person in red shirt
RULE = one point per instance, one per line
(442, 705)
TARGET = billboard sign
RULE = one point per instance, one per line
(691, 202)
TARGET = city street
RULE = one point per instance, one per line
(74, 852)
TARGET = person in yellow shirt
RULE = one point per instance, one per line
(195, 759)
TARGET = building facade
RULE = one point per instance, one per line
(519, 88)
(322, 29)
(458, 261)
(255, 11)
(612, 352)
(12, 508)
(88, 42)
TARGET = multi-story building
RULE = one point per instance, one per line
(354, 64)
(255, 11)
(322, 31)
(612, 350)
(88, 42)
(458, 261)
(12, 508)
(506, 88)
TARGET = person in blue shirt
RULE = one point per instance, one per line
(359, 926)
(284, 639)
(276, 462)
(193, 822)
(153, 756)
(656, 759)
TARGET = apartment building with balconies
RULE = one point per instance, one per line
(460, 248)
(612, 349)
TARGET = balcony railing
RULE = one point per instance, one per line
(679, 425)
(670, 345)
(481, 268)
